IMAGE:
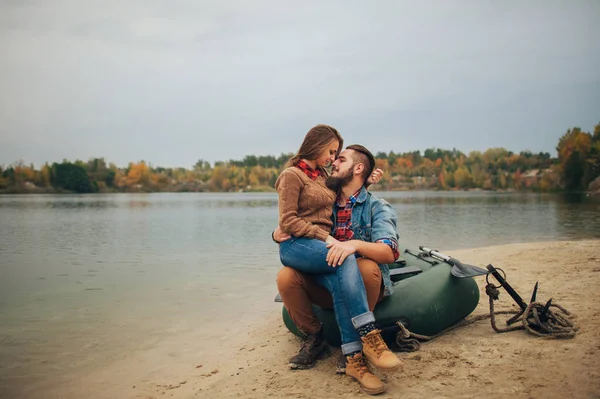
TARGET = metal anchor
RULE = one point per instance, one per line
(516, 297)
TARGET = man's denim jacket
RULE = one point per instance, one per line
(373, 219)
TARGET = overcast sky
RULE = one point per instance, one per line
(174, 81)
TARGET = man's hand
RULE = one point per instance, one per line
(338, 251)
(375, 177)
(280, 235)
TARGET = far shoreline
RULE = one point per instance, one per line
(373, 189)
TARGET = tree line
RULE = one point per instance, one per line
(576, 165)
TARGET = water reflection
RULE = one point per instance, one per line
(154, 223)
(578, 198)
(577, 216)
(139, 204)
(53, 203)
(137, 201)
(472, 219)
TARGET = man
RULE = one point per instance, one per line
(365, 227)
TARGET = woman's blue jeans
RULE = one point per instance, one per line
(344, 282)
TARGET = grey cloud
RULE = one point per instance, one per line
(171, 82)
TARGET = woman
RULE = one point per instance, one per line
(305, 208)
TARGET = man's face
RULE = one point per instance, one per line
(343, 165)
(342, 171)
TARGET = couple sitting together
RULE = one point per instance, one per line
(335, 241)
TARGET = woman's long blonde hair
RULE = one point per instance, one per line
(315, 142)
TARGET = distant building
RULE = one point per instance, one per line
(531, 177)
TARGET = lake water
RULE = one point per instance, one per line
(87, 281)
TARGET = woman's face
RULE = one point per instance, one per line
(328, 154)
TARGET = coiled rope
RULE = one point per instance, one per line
(538, 319)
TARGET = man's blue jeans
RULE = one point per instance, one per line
(344, 282)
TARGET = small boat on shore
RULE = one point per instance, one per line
(427, 298)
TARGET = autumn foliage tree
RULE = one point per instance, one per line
(573, 149)
(592, 167)
(576, 165)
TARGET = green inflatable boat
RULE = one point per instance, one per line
(427, 298)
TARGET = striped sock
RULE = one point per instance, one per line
(367, 328)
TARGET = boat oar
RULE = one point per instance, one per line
(459, 269)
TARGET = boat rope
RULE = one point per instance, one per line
(538, 319)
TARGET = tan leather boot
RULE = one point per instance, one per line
(356, 367)
(378, 353)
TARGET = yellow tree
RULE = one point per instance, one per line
(45, 175)
(492, 157)
(190, 176)
(479, 177)
(219, 180)
(502, 179)
(159, 180)
(404, 163)
(427, 168)
(120, 180)
(573, 140)
(446, 179)
(258, 176)
(384, 165)
(139, 173)
(179, 175)
(462, 178)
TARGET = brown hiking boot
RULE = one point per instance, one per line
(356, 367)
(313, 348)
(378, 353)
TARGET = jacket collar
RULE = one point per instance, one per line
(362, 195)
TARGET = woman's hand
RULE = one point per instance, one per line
(375, 177)
(338, 252)
(280, 236)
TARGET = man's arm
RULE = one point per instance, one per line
(383, 227)
(376, 251)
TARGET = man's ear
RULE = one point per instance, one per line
(358, 168)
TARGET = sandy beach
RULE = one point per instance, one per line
(473, 361)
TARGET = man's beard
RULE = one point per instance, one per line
(336, 183)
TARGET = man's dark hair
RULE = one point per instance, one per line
(364, 156)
